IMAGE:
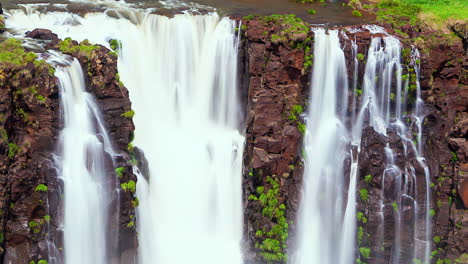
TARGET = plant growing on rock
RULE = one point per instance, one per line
(272, 241)
(41, 188)
(129, 186)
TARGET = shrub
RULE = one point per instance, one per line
(356, 13)
(41, 188)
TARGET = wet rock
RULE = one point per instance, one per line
(40, 33)
(276, 80)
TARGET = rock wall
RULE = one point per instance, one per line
(445, 85)
(273, 167)
(100, 64)
(30, 193)
(29, 125)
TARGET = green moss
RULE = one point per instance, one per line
(436, 239)
(129, 186)
(115, 44)
(85, 48)
(131, 224)
(395, 206)
(368, 179)
(119, 171)
(42, 261)
(35, 227)
(356, 13)
(41, 188)
(360, 56)
(312, 11)
(13, 149)
(272, 242)
(365, 252)
(47, 218)
(129, 114)
(364, 195)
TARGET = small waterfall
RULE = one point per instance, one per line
(385, 100)
(82, 158)
(321, 228)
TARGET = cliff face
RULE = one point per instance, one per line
(30, 193)
(445, 84)
(273, 168)
(29, 189)
(103, 79)
(273, 64)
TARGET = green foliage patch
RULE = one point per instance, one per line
(273, 241)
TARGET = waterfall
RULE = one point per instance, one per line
(83, 149)
(181, 73)
(320, 227)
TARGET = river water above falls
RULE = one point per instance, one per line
(182, 73)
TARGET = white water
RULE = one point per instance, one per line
(385, 98)
(321, 228)
(181, 74)
(81, 161)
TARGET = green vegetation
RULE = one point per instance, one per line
(356, 13)
(119, 171)
(41, 188)
(361, 218)
(47, 218)
(365, 252)
(13, 149)
(272, 242)
(42, 261)
(436, 14)
(360, 56)
(12, 52)
(68, 46)
(436, 239)
(35, 227)
(131, 224)
(129, 186)
(312, 11)
(368, 179)
(129, 114)
(115, 44)
(395, 206)
(364, 195)
(454, 158)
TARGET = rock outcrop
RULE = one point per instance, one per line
(100, 64)
(273, 167)
(29, 189)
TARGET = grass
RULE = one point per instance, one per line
(437, 14)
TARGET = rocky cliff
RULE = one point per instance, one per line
(31, 195)
(277, 69)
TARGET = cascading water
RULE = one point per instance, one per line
(383, 105)
(181, 73)
(187, 119)
(81, 162)
(320, 227)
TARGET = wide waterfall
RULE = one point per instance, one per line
(83, 150)
(181, 73)
(182, 80)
